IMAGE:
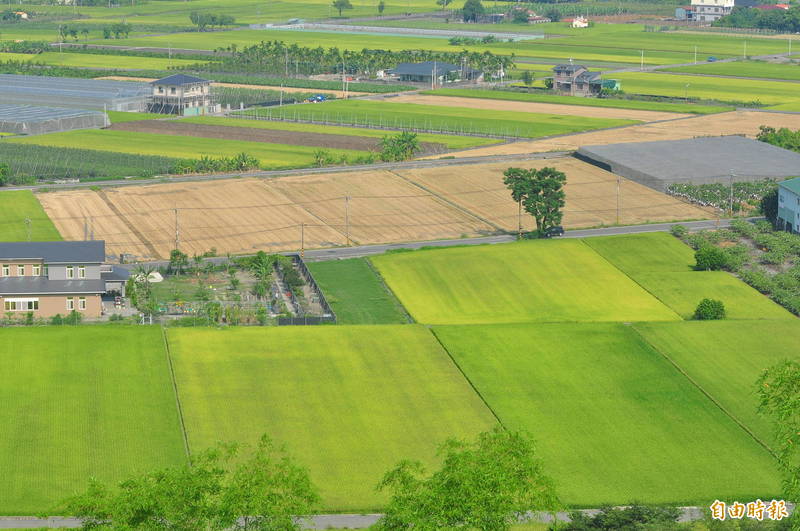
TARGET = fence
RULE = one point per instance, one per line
(328, 316)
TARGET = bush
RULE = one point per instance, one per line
(633, 517)
(679, 231)
(709, 309)
(710, 258)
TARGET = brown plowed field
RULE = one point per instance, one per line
(548, 108)
(729, 123)
(242, 216)
(272, 136)
(591, 195)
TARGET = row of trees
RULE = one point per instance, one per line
(787, 21)
(205, 21)
(277, 57)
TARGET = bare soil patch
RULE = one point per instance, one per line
(548, 108)
(729, 123)
(272, 136)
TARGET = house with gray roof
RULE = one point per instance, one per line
(789, 205)
(49, 278)
(182, 94)
(576, 80)
(434, 73)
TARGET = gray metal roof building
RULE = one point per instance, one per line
(74, 93)
(30, 120)
(61, 252)
(698, 160)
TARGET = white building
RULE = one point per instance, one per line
(711, 10)
(789, 205)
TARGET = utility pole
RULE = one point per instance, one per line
(695, 54)
(347, 219)
(641, 67)
(619, 197)
(28, 227)
(745, 50)
(85, 229)
(519, 219)
(177, 230)
(302, 240)
(790, 45)
(433, 77)
(730, 197)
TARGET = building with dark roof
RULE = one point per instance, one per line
(576, 80)
(183, 95)
(434, 73)
(49, 278)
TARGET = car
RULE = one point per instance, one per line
(553, 232)
(712, 59)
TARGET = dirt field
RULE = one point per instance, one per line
(729, 123)
(273, 136)
(245, 215)
(337, 93)
(549, 108)
(591, 195)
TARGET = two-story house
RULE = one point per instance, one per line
(49, 278)
(182, 94)
(789, 205)
(577, 80)
(711, 10)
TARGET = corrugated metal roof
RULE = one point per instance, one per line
(793, 185)
(85, 252)
(425, 68)
(42, 286)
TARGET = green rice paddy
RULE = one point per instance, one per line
(15, 208)
(81, 402)
(90, 60)
(519, 282)
(349, 402)
(613, 419)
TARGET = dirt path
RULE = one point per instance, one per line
(549, 108)
(271, 136)
(337, 93)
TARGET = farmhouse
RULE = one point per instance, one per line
(49, 278)
(702, 160)
(576, 80)
(711, 10)
(434, 72)
(789, 205)
(182, 94)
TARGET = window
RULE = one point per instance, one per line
(6, 270)
(172, 90)
(20, 270)
(82, 303)
(161, 90)
(70, 304)
(47, 271)
(21, 305)
(70, 272)
(81, 272)
(36, 270)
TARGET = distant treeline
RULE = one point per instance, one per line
(782, 20)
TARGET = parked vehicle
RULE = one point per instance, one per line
(553, 232)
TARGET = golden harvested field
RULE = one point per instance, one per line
(241, 216)
(245, 215)
(729, 123)
(548, 108)
(591, 195)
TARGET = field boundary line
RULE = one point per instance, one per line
(175, 390)
(389, 290)
(702, 390)
(453, 204)
(471, 384)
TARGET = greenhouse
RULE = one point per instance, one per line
(30, 120)
(100, 95)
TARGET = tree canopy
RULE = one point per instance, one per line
(540, 192)
(472, 10)
(223, 488)
(485, 484)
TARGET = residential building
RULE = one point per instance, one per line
(576, 80)
(789, 205)
(685, 13)
(49, 278)
(182, 94)
(434, 73)
(711, 10)
(580, 22)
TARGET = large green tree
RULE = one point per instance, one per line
(401, 146)
(540, 193)
(341, 5)
(779, 399)
(485, 484)
(472, 10)
(223, 488)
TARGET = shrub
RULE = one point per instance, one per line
(679, 231)
(57, 319)
(736, 257)
(709, 309)
(710, 258)
(743, 228)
